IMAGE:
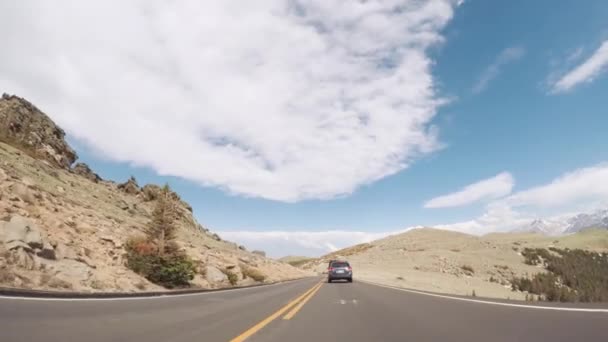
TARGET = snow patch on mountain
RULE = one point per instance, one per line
(567, 224)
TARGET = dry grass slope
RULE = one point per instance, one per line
(456, 263)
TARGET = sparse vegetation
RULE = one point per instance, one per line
(156, 256)
(96, 284)
(56, 283)
(400, 278)
(296, 261)
(535, 256)
(573, 275)
(169, 270)
(353, 250)
(233, 278)
(150, 192)
(253, 273)
(6, 276)
(172, 271)
(162, 228)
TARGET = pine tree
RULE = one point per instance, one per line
(162, 227)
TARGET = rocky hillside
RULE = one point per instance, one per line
(455, 263)
(63, 227)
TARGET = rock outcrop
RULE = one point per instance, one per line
(24, 125)
(150, 192)
(85, 171)
(130, 187)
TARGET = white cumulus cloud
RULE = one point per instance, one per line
(491, 188)
(279, 99)
(581, 190)
(585, 72)
(506, 56)
(584, 184)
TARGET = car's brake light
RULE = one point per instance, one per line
(349, 268)
(330, 269)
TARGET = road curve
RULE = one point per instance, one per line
(304, 310)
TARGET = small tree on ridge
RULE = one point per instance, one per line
(162, 227)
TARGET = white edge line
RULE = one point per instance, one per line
(485, 301)
(164, 296)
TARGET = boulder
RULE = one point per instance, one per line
(71, 270)
(115, 241)
(214, 275)
(141, 210)
(85, 171)
(64, 252)
(16, 244)
(130, 187)
(23, 192)
(47, 252)
(87, 261)
(122, 204)
(247, 281)
(3, 175)
(21, 229)
(84, 228)
(150, 192)
(20, 257)
(245, 259)
(260, 253)
(199, 281)
(125, 284)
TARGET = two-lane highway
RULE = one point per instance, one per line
(305, 310)
(363, 312)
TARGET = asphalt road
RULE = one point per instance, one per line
(304, 310)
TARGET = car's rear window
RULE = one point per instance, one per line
(339, 264)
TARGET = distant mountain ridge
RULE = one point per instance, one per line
(568, 225)
(597, 219)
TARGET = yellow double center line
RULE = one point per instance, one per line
(298, 303)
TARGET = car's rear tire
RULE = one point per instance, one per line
(350, 280)
(329, 280)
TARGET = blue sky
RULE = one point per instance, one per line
(502, 107)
